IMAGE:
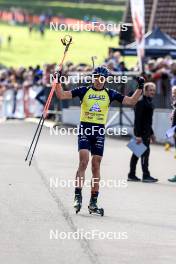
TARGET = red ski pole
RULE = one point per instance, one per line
(66, 41)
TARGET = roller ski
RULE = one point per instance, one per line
(77, 203)
(93, 208)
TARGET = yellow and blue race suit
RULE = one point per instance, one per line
(94, 111)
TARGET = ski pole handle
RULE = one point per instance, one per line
(66, 41)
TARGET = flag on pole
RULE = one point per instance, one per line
(138, 19)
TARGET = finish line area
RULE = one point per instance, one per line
(38, 220)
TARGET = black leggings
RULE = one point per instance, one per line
(144, 161)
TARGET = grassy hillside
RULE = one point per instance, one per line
(68, 9)
(31, 50)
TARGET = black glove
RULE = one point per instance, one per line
(140, 81)
(57, 76)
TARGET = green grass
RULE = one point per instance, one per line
(68, 9)
(32, 50)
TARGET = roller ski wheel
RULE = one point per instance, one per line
(96, 210)
(77, 203)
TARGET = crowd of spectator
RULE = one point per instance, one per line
(162, 71)
(25, 77)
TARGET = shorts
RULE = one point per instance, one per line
(94, 142)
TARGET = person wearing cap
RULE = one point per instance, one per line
(95, 101)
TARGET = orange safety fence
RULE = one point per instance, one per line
(22, 18)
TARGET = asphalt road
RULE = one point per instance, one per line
(37, 221)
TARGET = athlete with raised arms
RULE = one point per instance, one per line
(95, 101)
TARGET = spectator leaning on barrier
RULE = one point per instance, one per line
(174, 122)
(143, 132)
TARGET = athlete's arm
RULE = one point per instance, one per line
(61, 94)
(76, 92)
(128, 100)
(132, 100)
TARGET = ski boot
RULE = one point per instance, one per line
(77, 202)
(93, 208)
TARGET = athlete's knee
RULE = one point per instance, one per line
(96, 164)
(83, 164)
